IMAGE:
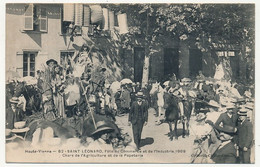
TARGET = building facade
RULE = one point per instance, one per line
(37, 32)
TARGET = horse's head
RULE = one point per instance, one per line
(155, 88)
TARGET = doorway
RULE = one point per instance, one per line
(195, 61)
(139, 53)
(171, 62)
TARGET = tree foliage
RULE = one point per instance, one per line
(201, 24)
(220, 23)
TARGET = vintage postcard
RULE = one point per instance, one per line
(130, 83)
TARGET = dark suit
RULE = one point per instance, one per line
(245, 139)
(226, 154)
(138, 116)
(227, 121)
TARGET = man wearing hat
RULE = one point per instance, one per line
(101, 136)
(138, 117)
(86, 80)
(226, 123)
(98, 79)
(226, 151)
(245, 136)
(13, 114)
(229, 118)
(185, 103)
(49, 71)
(51, 63)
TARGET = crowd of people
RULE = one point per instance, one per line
(77, 93)
(81, 92)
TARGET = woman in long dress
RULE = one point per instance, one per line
(58, 94)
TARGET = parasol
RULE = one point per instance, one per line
(29, 80)
(126, 81)
(115, 86)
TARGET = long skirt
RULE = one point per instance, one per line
(59, 105)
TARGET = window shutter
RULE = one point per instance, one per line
(43, 20)
(78, 14)
(28, 17)
(19, 63)
(111, 20)
(122, 22)
(86, 15)
(68, 12)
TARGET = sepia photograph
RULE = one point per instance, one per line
(159, 83)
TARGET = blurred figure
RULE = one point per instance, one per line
(125, 100)
(13, 114)
(118, 101)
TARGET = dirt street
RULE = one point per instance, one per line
(155, 139)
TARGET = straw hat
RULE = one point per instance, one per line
(186, 80)
(249, 106)
(22, 130)
(243, 111)
(140, 95)
(230, 106)
(213, 103)
(14, 100)
(51, 60)
(224, 136)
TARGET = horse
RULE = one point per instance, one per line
(177, 109)
(32, 96)
(186, 106)
(172, 114)
(159, 92)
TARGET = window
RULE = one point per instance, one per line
(67, 26)
(29, 63)
(73, 17)
(225, 53)
(35, 18)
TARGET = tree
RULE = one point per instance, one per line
(207, 24)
